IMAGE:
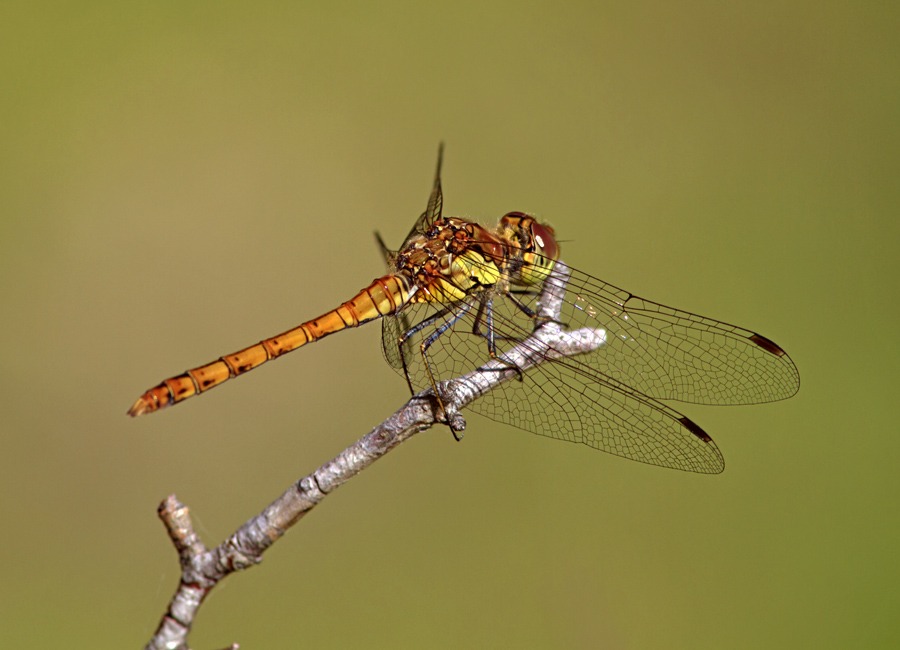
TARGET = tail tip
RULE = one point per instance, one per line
(140, 407)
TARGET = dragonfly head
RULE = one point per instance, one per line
(536, 243)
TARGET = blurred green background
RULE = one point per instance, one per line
(180, 180)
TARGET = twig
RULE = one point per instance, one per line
(202, 569)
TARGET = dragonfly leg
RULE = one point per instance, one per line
(525, 309)
(463, 309)
(401, 341)
(485, 316)
(487, 307)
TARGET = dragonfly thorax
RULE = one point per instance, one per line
(451, 260)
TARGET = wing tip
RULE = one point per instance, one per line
(711, 465)
(440, 160)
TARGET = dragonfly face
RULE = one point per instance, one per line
(460, 296)
(533, 248)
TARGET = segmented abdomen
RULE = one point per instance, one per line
(384, 296)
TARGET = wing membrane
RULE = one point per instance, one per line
(668, 353)
(566, 399)
(607, 399)
(435, 203)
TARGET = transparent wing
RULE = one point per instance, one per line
(387, 254)
(435, 203)
(668, 353)
(608, 398)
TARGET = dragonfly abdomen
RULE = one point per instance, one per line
(384, 296)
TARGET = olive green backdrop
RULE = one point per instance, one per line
(180, 180)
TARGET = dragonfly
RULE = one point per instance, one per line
(459, 297)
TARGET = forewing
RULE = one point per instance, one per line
(667, 353)
(435, 203)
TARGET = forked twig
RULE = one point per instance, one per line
(202, 568)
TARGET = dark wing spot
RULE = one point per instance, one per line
(695, 429)
(767, 345)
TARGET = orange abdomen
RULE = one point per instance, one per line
(384, 296)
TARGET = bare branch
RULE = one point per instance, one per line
(202, 569)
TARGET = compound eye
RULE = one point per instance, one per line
(545, 240)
